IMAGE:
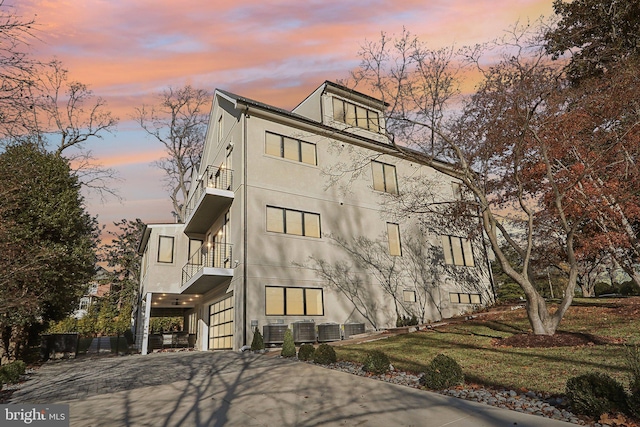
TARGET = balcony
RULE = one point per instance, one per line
(210, 198)
(207, 269)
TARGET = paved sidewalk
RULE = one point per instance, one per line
(232, 389)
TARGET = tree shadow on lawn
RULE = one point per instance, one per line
(521, 352)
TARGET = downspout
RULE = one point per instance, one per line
(244, 227)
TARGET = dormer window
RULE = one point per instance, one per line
(355, 115)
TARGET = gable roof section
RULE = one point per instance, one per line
(239, 101)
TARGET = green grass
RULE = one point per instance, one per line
(538, 369)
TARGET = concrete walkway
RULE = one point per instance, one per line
(232, 389)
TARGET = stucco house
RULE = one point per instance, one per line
(271, 202)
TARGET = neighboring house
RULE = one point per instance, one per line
(263, 202)
(97, 289)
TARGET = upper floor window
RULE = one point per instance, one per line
(456, 188)
(288, 221)
(290, 148)
(165, 249)
(220, 131)
(384, 177)
(457, 251)
(355, 115)
(393, 232)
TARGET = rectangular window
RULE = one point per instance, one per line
(165, 249)
(274, 301)
(384, 177)
(355, 115)
(457, 251)
(275, 219)
(281, 301)
(393, 231)
(220, 133)
(457, 190)
(290, 149)
(409, 296)
(194, 251)
(313, 302)
(464, 298)
(289, 221)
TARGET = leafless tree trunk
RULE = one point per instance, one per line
(178, 121)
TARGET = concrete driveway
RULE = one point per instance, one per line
(232, 389)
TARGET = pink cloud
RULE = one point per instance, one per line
(275, 51)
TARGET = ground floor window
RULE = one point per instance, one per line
(464, 298)
(221, 325)
(281, 301)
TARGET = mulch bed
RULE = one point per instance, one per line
(559, 339)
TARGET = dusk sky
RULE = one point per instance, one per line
(276, 52)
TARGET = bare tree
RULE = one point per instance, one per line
(16, 67)
(60, 116)
(498, 149)
(178, 121)
(341, 276)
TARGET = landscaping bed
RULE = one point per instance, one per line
(498, 354)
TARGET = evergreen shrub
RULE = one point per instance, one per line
(443, 372)
(306, 352)
(258, 342)
(288, 347)
(324, 355)
(10, 373)
(595, 393)
(376, 362)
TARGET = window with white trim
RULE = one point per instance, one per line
(289, 221)
(290, 148)
(457, 251)
(292, 301)
(384, 177)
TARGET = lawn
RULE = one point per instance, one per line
(476, 345)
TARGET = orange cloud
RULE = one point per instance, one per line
(275, 51)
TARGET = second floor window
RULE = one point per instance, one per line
(290, 148)
(457, 251)
(289, 221)
(393, 232)
(165, 249)
(384, 177)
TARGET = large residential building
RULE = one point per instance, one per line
(283, 207)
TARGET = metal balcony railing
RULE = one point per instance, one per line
(214, 177)
(217, 256)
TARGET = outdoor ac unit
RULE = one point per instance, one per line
(304, 331)
(353, 329)
(328, 332)
(274, 333)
